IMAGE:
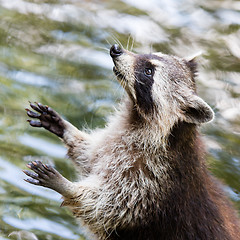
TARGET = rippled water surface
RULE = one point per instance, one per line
(55, 52)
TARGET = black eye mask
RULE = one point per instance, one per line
(144, 72)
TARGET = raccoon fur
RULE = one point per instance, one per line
(144, 176)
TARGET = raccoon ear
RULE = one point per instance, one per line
(191, 62)
(192, 65)
(198, 111)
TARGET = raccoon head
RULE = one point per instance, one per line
(161, 86)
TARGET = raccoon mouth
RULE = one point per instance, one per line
(118, 74)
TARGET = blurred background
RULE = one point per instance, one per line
(56, 52)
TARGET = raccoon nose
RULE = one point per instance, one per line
(115, 51)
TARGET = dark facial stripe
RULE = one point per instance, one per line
(143, 83)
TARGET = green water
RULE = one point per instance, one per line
(55, 52)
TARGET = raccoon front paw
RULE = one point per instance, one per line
(49, 119)
(43, 175)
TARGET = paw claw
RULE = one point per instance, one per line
(32, 181)
(34, 163)
(29, 166)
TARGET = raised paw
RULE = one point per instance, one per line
(47, 118)
(43, 175)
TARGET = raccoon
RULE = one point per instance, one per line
(144, 176)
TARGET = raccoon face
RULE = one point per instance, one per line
(161, 86)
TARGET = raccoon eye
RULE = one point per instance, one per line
(148, 71)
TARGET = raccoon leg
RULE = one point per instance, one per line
(47, 176)
(81, 197)
(76, 141)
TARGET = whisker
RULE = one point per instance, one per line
(120, 87)
(151, 48)
(108, 42)
(131, 49)
(104, 48)
(138, 80)
(128, 41)
(116, 40)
